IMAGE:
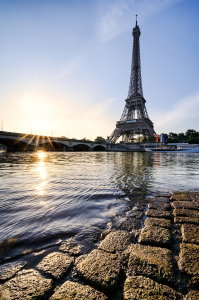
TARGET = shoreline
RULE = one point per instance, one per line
(152, 252)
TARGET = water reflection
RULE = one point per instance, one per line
(133, 172)
(41, 170)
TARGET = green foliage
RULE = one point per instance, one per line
(100, 140)
(149, 139)
(139, 139)
(191, 136)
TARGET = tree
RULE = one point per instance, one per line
(139, 139)
(149, 139)
(172, 135)
(191, 133)
(181, 136)
(100, 140)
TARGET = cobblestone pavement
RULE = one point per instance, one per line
(151, 252)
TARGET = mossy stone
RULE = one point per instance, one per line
(55, 264)
(159, 213)
(8, 270)
(182, 220)
(181, 197)
(184, 204)
(189, 259)
(28, 284)
(165, 223)
(75, 291)
(116, 241)
(159, 205)
(127, 223)
(155, 236)
(186, 213)
(140, 287)
(192, 295)
(102, 270)
(190, 233)
(152, 262)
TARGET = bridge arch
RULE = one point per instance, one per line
(99, 148)
(82, 147)
(54, 146)
(15, 144)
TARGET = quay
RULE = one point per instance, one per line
(151, 252)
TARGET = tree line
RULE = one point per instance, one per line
(191, 136)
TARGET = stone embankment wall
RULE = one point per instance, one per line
(126, 147)
(151, 252)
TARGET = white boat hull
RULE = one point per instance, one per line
(186, 150)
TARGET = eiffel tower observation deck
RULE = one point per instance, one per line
(134, 120)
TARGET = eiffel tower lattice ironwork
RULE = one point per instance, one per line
(134, 120)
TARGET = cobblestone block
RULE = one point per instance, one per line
(186, 213)
(116, 241)
(140, 287)
(101, 270)
(193, 295)
(184, 204)
(181, 197)
(190, 233)
(182, 220)
(189, 259)
(28, 284)
(75, 291)
(159, 205)
(165, 223)
(155, 236)
(8, 270)
(55, 264)
(152, 262)
(159, 213)
(128, 224)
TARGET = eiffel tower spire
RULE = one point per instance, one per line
(134, 120)
(135, 86)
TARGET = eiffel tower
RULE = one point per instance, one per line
(134, 120)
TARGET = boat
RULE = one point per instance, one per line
(183, 148)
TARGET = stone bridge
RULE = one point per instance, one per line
(28, 142)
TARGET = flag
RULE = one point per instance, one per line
(156, 138)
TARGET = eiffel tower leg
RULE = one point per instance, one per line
(115, 135)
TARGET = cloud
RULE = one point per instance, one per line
(185, 113)
(120, 15)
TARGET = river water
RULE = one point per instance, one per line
(46, 197)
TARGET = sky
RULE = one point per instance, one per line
(65, 65)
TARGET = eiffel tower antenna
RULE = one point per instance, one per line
(134, 120)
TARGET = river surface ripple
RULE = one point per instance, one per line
(48, 196)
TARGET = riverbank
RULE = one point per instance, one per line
(152, 252)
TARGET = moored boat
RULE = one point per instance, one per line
(184, 148)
